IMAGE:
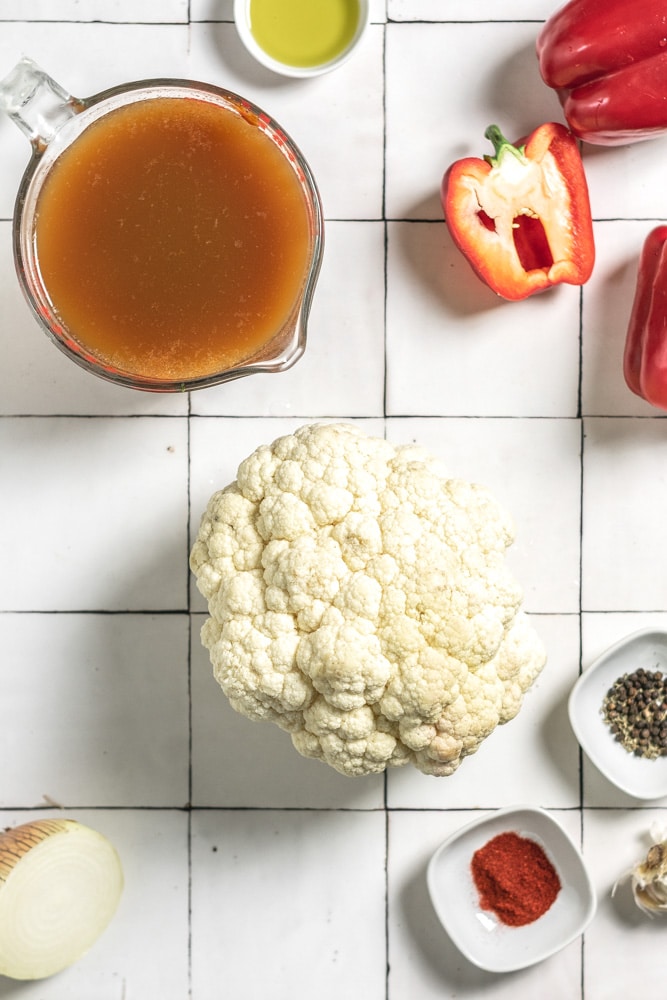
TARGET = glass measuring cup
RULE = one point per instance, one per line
(189, 292)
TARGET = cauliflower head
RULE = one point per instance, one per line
(359, 598)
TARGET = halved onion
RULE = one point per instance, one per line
(60, 884)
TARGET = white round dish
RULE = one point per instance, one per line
(243, 21)
(643, 779)
(478, 933)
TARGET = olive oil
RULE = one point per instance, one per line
(173, 238)
(304, 33)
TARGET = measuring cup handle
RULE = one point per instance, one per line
(36, 103)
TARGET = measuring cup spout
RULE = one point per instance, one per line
(36, 102)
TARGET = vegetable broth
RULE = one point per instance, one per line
(172, 238)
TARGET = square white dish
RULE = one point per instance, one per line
(478, 934)
(641, 778)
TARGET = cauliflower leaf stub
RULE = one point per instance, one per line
(359, 598)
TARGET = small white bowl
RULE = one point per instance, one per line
(242, 21)
(477, 933)
(643, 779)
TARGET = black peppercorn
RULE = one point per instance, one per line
(635, 709)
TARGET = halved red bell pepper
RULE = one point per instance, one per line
(522, 217)
(645, 358)
(607, 59)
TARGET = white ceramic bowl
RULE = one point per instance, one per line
(242, 21)
(643, 779)
(477, 933)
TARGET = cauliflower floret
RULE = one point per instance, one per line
(359, 599)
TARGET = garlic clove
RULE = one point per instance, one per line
(649, 877)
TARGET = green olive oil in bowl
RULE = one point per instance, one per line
(301, 37)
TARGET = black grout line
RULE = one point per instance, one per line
(99, 20)
(580, 756)
(194, 612)
(357, 417)
(150, 612)
(385, 264)
(432, 221)
(386, 895)
(230, 20)
(385, 261)
(189, 688)
(644, 806)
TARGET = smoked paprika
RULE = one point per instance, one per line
(514, 879)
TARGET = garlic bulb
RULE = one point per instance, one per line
(649, 877)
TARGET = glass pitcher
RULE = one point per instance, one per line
(147, 241)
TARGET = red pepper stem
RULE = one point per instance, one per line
(501, 146)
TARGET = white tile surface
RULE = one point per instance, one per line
(469, 10)
(635, 170)
(439, 104)
(442, 321)
(159, 11)
(108, 721)
(614, 840)
(623, 504)
(607, 306)
(306, 886)
(102, 505)
(108, 707)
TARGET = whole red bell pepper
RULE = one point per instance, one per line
(607, 59)
(522, 217)
(645, 358)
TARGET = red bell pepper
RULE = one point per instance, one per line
(607, 59)
(645, 358)
(522, 218)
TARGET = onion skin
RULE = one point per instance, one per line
(16, 841)
(60, 884)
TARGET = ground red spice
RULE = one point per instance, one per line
(514, 879)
